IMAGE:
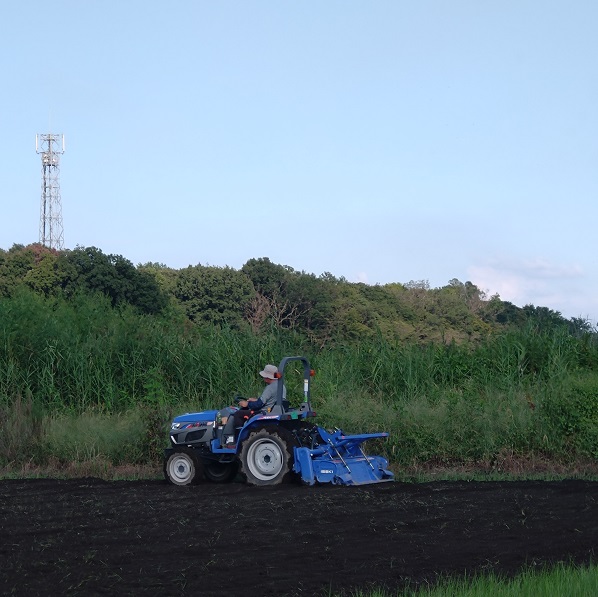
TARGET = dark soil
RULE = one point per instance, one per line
(93, 537)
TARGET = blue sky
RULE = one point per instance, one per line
(382, 141)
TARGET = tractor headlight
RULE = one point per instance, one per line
(175, 426)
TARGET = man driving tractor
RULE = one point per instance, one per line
(252, 405)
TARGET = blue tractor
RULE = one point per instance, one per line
(271, 447)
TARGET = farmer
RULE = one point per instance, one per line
(253, 405)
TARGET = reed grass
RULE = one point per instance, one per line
(84, 365)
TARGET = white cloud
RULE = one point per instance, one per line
(563, 288)
(542, 269)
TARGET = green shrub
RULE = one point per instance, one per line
(570, 414)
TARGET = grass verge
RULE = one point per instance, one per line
(558, 581)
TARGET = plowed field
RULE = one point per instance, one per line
(92, 537)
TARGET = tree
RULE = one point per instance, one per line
(269, 279)
(504, 312)
(270, 302)
(213, 294)
(165, 276)
(310, 301)
(17, 263)
(44, 278)
(114, 276)
(544, 318)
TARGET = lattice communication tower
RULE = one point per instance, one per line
(51, 233)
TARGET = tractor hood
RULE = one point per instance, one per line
(204, 415)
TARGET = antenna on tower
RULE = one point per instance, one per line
(51, 233)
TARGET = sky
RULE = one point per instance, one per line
(380, 141)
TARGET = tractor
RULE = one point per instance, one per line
(272, 447)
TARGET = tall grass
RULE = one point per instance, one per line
(523, 392)
(116, 438)
(85, 354)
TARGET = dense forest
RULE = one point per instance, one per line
(90, 341)
(262, 296)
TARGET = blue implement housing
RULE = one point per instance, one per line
(340, 460)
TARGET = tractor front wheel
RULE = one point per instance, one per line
(183, 467)
(267, 457)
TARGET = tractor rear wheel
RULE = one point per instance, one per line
(183, 467)
(267, 456)
(220, 472)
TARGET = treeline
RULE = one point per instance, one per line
(263, 296)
